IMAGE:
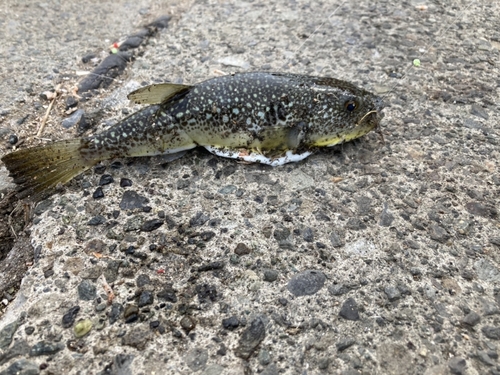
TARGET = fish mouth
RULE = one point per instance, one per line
(376, 116)
(373, 117)
(370, 121)
(370, 118)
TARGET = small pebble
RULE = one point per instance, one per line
(114, 314)
(471, 319)
(231, 323)
(306, 283)
(87, 290)
(71, 102)
(45, 348)
(198, 220)
(7, 333)
(97, 220)
(392, 293)
(491, 332)
(137, 337)
(345, 343)
(242, 249)
(349, 310)
(168, 294)
(264, 357)
(98, 193)
(116, 165)
(308, 235)
(105, 179)
(125, 182)
(146, 298)
(69, 318)
(131, 200)
(283, 301)
(251, 337)
(386, 217)
(187, 323)
(82, 327)
(99, 168)
(76, 118)
(131, 313)
(457, 365)
(151, 225)
(142, 280)
(270, 275)
(13, 139)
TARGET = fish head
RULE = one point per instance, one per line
(344, 112)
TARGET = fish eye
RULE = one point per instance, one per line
(350, 105)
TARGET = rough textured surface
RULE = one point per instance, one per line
(191, 260)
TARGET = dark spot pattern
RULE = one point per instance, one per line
(264, 112)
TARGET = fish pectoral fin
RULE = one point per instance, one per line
(296, 135)
(157, 93)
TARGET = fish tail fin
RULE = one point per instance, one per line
(39, 170)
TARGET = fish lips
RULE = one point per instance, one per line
(371, 119)
(375, 116)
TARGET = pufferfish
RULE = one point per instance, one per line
(269, 118)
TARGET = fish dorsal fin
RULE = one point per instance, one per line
(157, 93)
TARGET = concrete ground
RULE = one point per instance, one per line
(380, 256)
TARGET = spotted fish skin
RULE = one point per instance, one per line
(254, 112)
(266, 117)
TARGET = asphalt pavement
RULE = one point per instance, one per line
(379, 256)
